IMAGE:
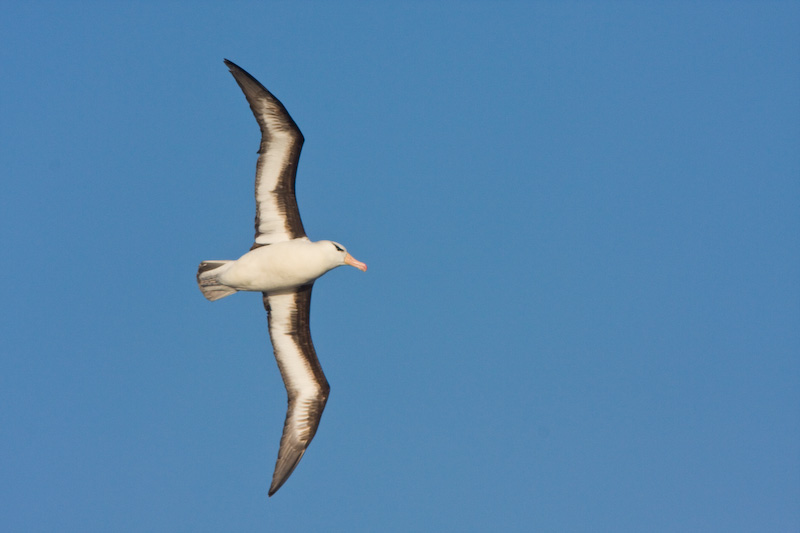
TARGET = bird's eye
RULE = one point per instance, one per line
(337, 246)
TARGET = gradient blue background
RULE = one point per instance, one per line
(582, 311)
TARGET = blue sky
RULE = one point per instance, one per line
(582, 311)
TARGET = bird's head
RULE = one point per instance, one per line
(343, 257)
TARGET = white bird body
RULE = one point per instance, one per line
(281, 266)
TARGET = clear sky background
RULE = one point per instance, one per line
(581, 220)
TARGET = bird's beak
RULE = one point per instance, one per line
(352, 261)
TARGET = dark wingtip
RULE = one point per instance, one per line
(284, 469)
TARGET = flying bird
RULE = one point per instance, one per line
(282, 264)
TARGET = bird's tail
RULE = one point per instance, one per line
(208, 280)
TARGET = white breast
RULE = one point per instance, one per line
(279, 266)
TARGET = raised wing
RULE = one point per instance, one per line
(306, 386)
(277, 216)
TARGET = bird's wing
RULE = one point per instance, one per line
(306, 386)
(277, 216)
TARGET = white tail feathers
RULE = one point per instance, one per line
(208, 280)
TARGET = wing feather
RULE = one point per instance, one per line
(306, 386)
(277, 215)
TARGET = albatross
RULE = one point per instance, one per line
(282, 264)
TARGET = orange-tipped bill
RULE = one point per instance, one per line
(352, 261)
